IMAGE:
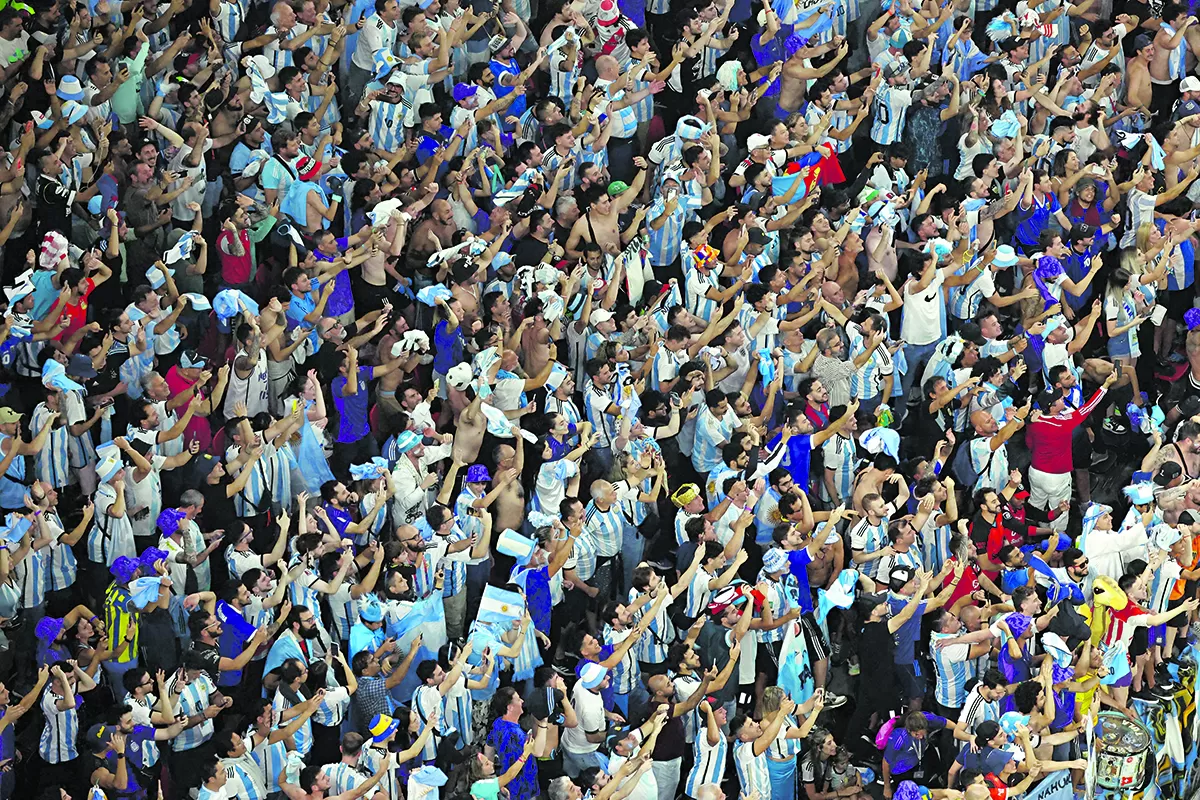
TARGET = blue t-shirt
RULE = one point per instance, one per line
(906, 636)
(1036, 219)
(447, 347)
(798, 458)
(799, 560)
(904, 753)
(352, 410)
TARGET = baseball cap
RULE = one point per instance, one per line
(497, 43)
(757, 140)
(1190, 84)
(1142, 41)
(970, 332)
(7, 415)
(1168, 472)
(599, 316)
(757, 236)
(617, 187)
(1081, 231)
(464, 90)
(899, 576)
(895, 69)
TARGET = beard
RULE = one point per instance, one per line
(310, 633)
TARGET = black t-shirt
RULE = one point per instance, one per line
(212, 659)
(529, 251)
(218, 513)
(876, 646)
(546, 704)
(671, 742)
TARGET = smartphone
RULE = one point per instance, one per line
(333, 648)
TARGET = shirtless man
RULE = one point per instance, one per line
(536, 336)
(509, 508)
(1139, 91)
(469, 426)
(871, 481)
(599, 224)
(1169, 43)
(1185, 450)
(797, 73)
(432, 234)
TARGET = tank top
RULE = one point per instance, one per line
(12, 483)
(252, 390)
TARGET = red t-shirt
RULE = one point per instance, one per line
(967, 586)
(198, 428)
(76, 312)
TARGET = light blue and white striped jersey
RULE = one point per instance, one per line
(60, 732)
(345, 777)
(52, 463)
(991, 466)
(333, 706)
(698, 593)
(244, 777)
(61, 567)
(30, 574)
(783, 595)
(890, 109)
(950, 668)
(606, 526)
(457, 706)
(711, 434)
(425, 701)
(192, 701)
(868, 538)
(751, 769)
(935, 540)
(275, 52)
(783, 747)
(302, 593)
(372, 758)
(626, 120)
(665, 366)
(386, 125)
(840, 458)
(643, 109)
(596, 402)
(270, 758)
(664, 243)
(708, 761)
(302, 738)
(563, 74)
(110, 537)
(583, 557)
(867, 382)
(697, 286)
(652, 647)
(626, 674)
(249, 501)
(230, 18)
(82, 448)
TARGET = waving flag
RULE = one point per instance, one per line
(500, 606)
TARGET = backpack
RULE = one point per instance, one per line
(964, 470)
(884, 733)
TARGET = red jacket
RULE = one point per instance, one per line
(1049, 438)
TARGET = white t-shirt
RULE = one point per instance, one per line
(589, 708)
(921, 323)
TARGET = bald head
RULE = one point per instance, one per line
(607, 67)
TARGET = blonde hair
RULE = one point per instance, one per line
(772, 698)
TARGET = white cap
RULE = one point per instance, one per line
(1190, 84)
(600, 315)
(756, 140)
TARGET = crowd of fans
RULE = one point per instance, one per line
(605, 399)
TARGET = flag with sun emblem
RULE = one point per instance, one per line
(499, 605)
